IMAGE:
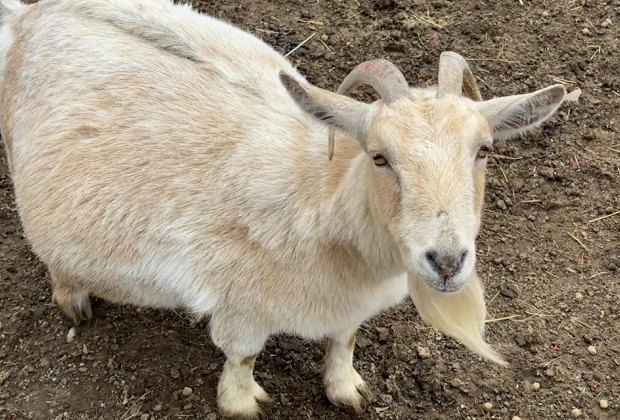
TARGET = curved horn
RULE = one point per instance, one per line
(455, 76)
(382, 76)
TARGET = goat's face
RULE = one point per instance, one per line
(427, 160)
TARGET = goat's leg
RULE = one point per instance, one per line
(70, 297)
(238, 394)
(343, 385)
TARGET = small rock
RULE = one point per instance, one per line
(305, 14)
(575, 412)
(424, 352)
(157, 407)
(292, 345)
(71, 335)
(363, 341)
(187, 391)
(384, 335)
(501, 204)
(573, 96)
(521, 341)
(578, 296)
(592, 350)
(607, 22)
(487, 406)
(387, 398)
(44, 362)
(284, 399)
(535, 386)
(547, 173)
(516, 418)
(144, 417)
(545, 13)
(517, 184)
(585, 31)
(550, 372)
(510, 291)
(83, 369)
(603, 404)
(324, 38)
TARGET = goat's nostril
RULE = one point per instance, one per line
(431, 256)
(445, 265)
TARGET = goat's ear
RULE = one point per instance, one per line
(335, 110)
(510, 116)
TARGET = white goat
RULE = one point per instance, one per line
(165, 158)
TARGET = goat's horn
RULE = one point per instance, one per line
(382, 76)
(455, 76)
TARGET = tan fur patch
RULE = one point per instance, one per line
(351, 341)
(248, 362)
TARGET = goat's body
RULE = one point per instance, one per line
(181, 178)
(164, 158)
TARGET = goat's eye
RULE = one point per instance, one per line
(483, 152)
(380, 160)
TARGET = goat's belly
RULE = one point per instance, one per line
(158, 280)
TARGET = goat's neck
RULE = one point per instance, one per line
(346, 215)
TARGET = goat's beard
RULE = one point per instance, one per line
(461, 315)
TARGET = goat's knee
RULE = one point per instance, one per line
(343, 385)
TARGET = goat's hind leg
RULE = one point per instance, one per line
(343, 385)
(70, 297)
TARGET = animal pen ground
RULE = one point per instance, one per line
(549, 248)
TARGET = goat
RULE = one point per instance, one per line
(164, 158)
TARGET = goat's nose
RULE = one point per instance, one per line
(446, 265)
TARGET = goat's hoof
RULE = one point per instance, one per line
(243, 404)
(70, 297)
(76, 305)
(351, 395)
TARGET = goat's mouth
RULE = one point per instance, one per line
(446, 286)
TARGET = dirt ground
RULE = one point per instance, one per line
(549, 257)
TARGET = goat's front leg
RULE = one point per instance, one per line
(238, 394)
(343, 385)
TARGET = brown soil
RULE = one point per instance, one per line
(538, 247)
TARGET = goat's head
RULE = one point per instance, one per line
(426, 155)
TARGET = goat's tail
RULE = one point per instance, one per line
(7, 7)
